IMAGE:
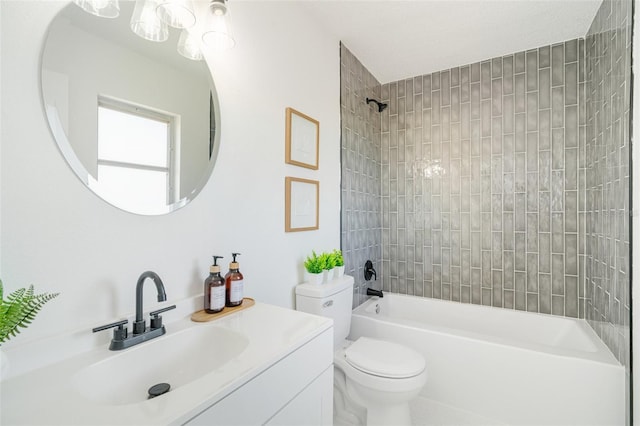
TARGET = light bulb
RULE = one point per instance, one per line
(218, 7)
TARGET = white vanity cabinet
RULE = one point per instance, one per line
(296, 390)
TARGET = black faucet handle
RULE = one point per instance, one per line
(159, 311)
(120, 333)
(369, 271)
(156, 319)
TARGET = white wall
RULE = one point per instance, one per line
(60, 237)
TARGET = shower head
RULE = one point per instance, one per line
(381, 106)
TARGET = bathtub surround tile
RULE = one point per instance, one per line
(362, 156)
(508, 299)
(544, 300)
(520, 301)
(532, 302)
(557, 305)
(495, 148)
(486, 297)
(604, 157)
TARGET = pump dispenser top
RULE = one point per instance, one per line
(234, 264)
(215, 267)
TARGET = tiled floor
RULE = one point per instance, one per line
(426, 412)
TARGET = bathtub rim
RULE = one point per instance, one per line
(602, 354)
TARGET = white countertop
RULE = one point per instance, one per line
(47, 395)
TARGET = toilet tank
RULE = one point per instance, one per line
(333, 300)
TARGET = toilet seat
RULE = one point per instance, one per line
(384, 359)
(375, 381)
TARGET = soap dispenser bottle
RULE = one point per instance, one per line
(234, 283)
(214, 289)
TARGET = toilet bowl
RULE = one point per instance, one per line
(382, 377)
(374, 379)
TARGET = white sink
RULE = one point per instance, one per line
(203, 362)
(126, 377)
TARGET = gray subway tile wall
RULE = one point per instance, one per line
(607, 161)
(503, 183)
(481, 193)
(361, 172)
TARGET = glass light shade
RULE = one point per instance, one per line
(146, 23)
(189, 46)
(177, 13)
(218, 7)
(217, 34)
(101, 8)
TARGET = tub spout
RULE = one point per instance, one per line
(372, 292)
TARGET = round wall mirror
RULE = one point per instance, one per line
(137, 122)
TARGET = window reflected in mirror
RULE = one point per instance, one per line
(136, 168)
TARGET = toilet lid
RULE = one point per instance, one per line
(384, 359)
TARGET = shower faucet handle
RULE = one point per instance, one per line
(369, 271)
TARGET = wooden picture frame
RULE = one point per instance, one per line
(302, 140)
(302, 204)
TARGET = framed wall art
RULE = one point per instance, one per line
(302, 140)
(302, 204)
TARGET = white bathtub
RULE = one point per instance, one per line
(516, 368)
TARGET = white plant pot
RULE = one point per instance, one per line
(328, 275)
(315, 279)
(339, 271)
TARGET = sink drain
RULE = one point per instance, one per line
(159, 389)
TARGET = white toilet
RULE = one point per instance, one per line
(374, 380)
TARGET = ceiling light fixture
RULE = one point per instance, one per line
(151, 20)
(217, 34)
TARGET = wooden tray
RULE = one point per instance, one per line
(203, 316)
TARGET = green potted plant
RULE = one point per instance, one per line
(19, 310)
(339, 262)
(314, 265)
(329, 263)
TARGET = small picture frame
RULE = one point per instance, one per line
(302, 140)
(302, 204)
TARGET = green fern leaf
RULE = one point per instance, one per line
(19, 310)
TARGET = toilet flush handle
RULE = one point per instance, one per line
(327, 304)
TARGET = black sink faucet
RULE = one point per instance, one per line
(139, 325)
(140, 332)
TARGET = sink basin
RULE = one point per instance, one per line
(125, 377)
